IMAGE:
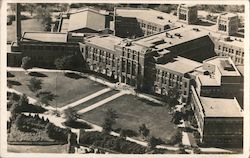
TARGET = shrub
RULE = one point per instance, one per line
(107, 141)
(176, 138)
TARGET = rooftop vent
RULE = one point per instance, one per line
(160, 17)
(178, 35)
(227, 65)
(196, 29)
(169, 35)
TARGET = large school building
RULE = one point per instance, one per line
(169, 52)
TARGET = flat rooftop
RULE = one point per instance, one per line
(218, 62)
(181, 65)
(221, 107)
(171, 37)
(105, 41)
(147, 14)
(45, 37)
(228, 15)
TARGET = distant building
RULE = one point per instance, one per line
(230, 47)
(86, 20)
(45, 47)
(137, 22)
(220, 120)
(187, 13)
(227, 23)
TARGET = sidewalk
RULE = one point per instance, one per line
(85, 99)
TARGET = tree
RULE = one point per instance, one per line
(144, 131)
(35, 85)
(172, 97)
(43, 14)
(153, 142)
(71, 115)
(110, 119)
(177, 116)
(64, 62)
(26, 63)
(45, 97)
(30, 7)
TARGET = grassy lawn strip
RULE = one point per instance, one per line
(132, 113)
(67, 89)
(37, 148)
(95, 100)
(107, 141)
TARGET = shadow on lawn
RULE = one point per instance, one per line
(73, 75)
(37, 74)
(15, 83)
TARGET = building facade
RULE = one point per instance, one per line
(187, 13)
(219, 120)
(227, 23)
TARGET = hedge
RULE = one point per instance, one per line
(117, 144)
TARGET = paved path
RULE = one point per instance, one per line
(100, 103)
(85, 99)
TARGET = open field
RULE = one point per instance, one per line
(37, 148)
(67, 89)
(133, 112)
(27, 25)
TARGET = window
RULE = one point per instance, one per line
(219, 47)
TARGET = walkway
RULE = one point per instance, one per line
(100, 103)
(85, 99)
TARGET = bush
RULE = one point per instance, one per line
(176, 138)
(107, 141)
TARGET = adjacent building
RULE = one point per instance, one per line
(187, 13)
(227, 23)
(137, 22)
(220, 120)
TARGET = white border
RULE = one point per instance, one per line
(3, 59)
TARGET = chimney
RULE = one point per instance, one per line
(18, 23)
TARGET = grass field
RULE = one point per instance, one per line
(132, 113)
(67, 89)
(27, 26)
(37, 148)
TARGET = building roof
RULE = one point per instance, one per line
(104, 41)
(65, 25)
(181, 65)
(146, 14)
(221, 107)
(87, 18)
(45, 37)
(228, 15)
(220, 64)
(171, 37)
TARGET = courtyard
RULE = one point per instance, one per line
(132, 111)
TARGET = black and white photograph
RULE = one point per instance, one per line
(92, 79)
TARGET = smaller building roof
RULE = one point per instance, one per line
(87, 18)
(221, 107)
(146, 14)
(45, 37)
(104, 41)
(180, 65)
(220, 63)
(228, 15)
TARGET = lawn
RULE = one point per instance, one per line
(132, 113)
(37, 148)
(27, 26)
(67, 89)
